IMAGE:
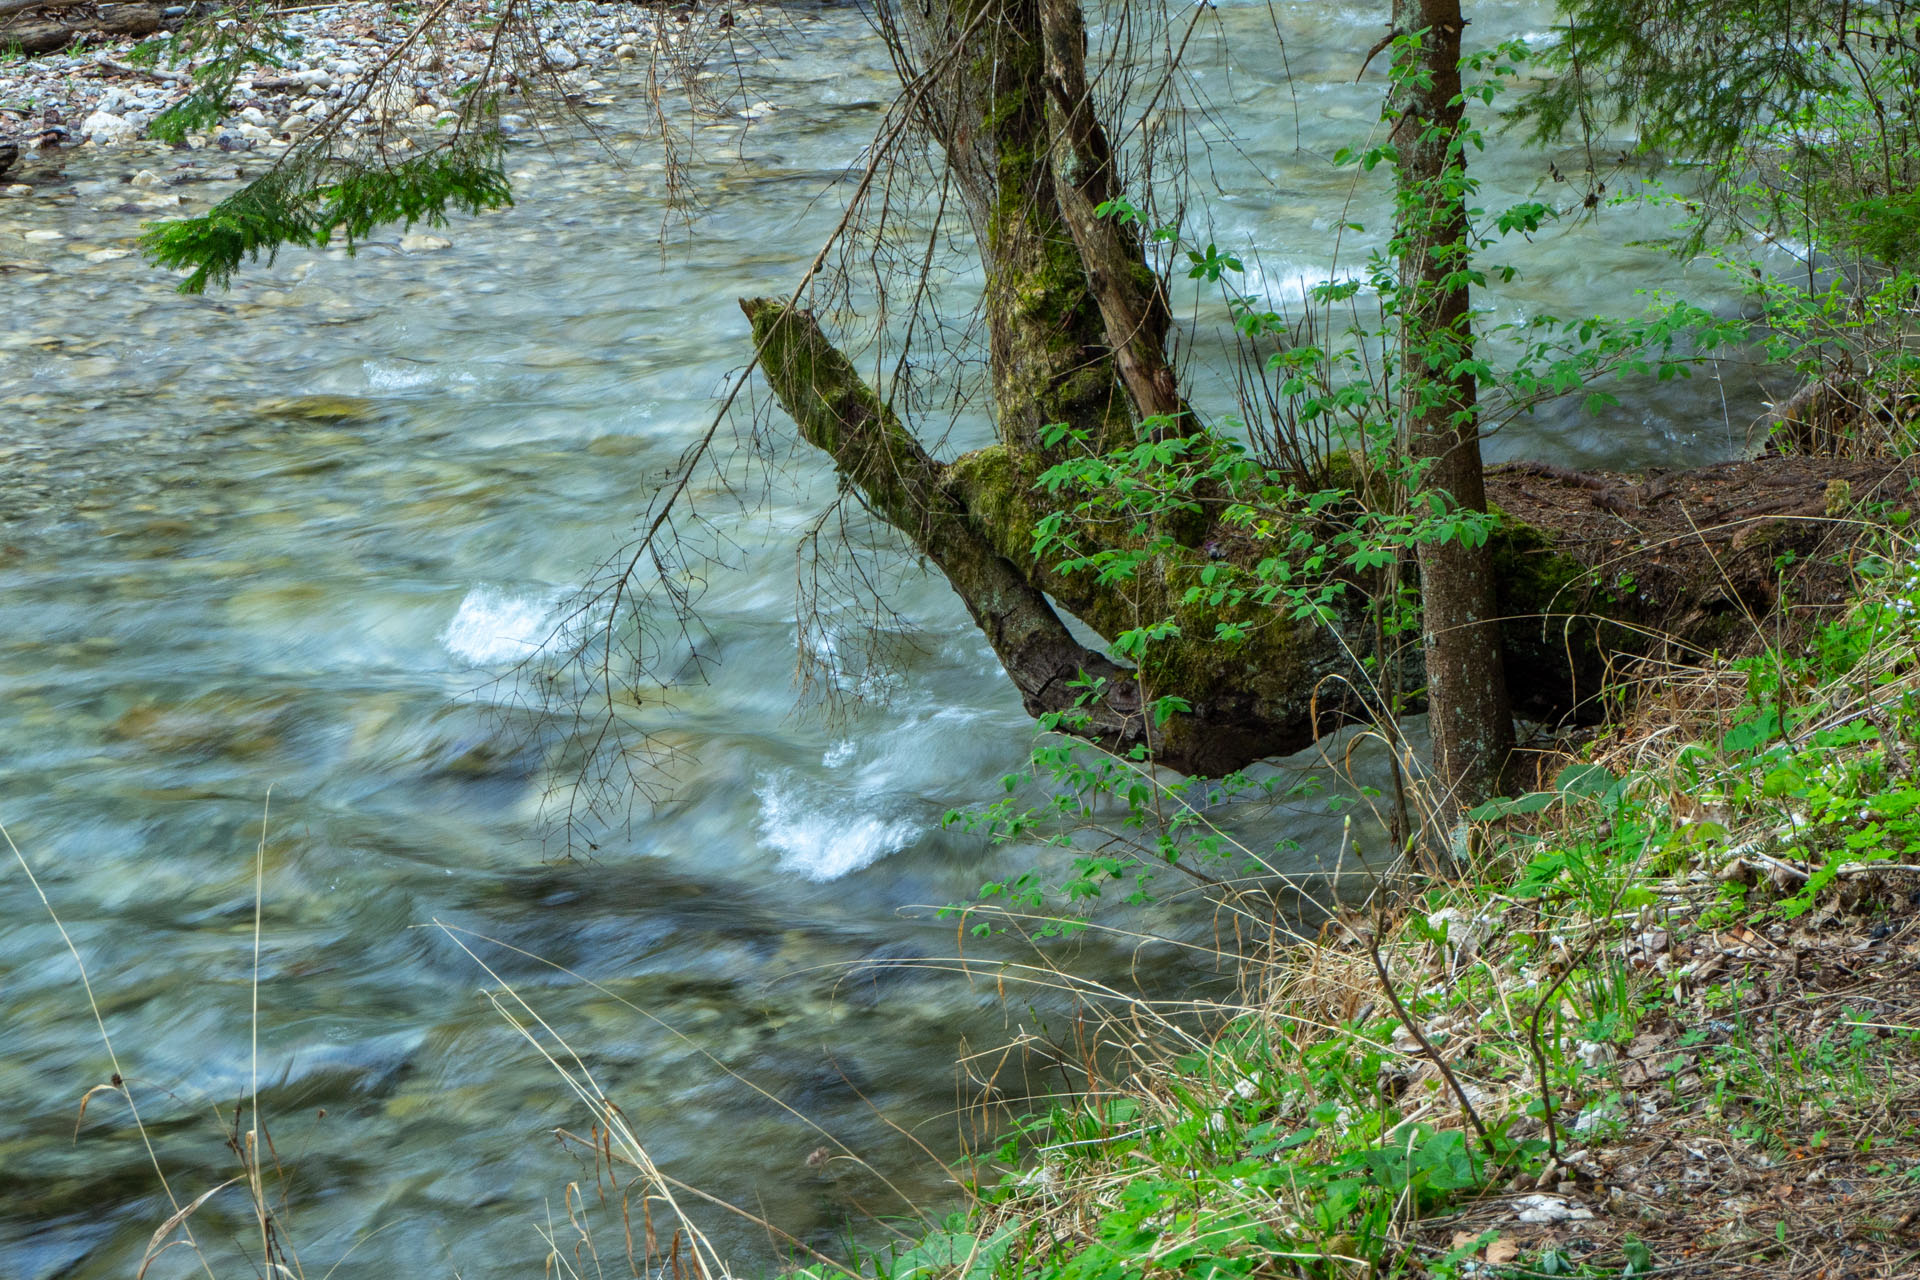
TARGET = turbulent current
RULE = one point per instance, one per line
(289, 537)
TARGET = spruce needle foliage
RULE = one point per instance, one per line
(1691, 75)
(1803, 116)
(225, 47)
(307, 204)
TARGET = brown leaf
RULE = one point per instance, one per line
(1502, 1251)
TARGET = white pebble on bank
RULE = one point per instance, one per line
(108, 130)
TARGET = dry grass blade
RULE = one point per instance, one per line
(100, 1023)
(86, 1098)
(690, 1043)
(581, 1081)
(177, 1218)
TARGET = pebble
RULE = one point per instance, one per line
(339, 46)
(418, 242)
(145, 178)
(108, 129)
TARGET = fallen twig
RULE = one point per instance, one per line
(170, 77)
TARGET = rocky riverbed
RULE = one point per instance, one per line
(393, 70)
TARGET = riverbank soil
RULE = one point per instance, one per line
(1605, 569)
(1744, 1154)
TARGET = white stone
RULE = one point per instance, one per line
(625, 53)
(44, 235)
(1595, 1053)
(108, 255)
(561, 58)
(254, 133)
(759, 111)
(1551, 1209)
(145, 178)
(16, 191)
(108, 129)
(420, 243)
(396, 100)
(254, 116)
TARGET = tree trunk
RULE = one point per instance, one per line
(1594, 572)
(1047, 345)
(1583, 571)
(1468, 710)
(904, 486)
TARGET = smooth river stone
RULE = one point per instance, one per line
(321, 408)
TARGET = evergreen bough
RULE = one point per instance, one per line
(307, 201)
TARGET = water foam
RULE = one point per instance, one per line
(824, 841)
(496, 626)
(406, 375)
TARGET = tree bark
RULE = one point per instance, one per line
(1131, 297)
(1469, 713)
(33, 35)
(10, 7)
(903, 485)
(1047, 340)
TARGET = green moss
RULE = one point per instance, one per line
(999, 499)
(1533, 576)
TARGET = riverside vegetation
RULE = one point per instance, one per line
(1654, 1013)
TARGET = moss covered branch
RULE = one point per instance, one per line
(905, 486)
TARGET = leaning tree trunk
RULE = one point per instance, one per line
(1589, 569)
(1469, 716)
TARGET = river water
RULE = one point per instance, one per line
(288, 536)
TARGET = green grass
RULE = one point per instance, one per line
(1644, 991)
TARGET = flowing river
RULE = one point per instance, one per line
(289, 537)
